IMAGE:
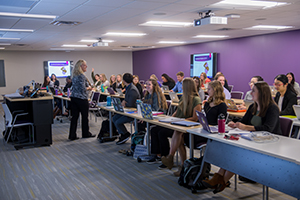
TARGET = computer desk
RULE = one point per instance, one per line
(40, 111)
(273, 164)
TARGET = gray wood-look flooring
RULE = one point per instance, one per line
(86, 169)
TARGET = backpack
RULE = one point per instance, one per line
(137, 138)
(103, 135)
(190, 169)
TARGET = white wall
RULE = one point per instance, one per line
(22, 67)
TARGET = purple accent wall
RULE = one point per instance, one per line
(238, 59)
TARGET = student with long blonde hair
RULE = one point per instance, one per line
(112, 80)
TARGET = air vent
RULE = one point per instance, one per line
(226, 29)
(137, 47)
(20, 45)
(65, 23)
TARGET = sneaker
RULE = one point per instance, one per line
(162, 166)
(154, 160)
(123, 138)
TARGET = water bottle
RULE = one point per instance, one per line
(56, 92)
(139, 109)
(47, 88)
(68, 93)
(108, 101)
(221, 123)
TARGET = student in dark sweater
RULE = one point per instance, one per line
(168, 81)
(262, 115)
(286, 96)
(131, 95)
(136, 82)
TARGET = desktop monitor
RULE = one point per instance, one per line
(203, 62)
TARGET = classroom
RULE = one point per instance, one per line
(87, 169)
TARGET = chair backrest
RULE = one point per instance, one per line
(237, 95)
(8, 115)
(96, 97)
(285, 125)
(230, 88)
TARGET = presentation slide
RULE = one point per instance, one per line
(61, 69)
(202, 63)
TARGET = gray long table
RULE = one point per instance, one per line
(275, 165)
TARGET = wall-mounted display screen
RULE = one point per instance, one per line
(204, 62)
(61, 69)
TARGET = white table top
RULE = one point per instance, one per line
(285, 148)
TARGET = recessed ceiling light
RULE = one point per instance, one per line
(171, 42)
(16, 30)
(5, 44)
(8, 14)
(125, 34)
(2, 47)
(167, 24)
(74, 45)
(268, 27)
(250, 3)
(2, 38)
(210, 36)
(96, 41)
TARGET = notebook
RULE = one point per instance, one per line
(111, 91)
(119, 91)
(203, 121)
(174, 97)
(297, 111)
(170, 119)
(165, 88)
(117, 104)
(231, 106)
(185, 123)
(146, 111)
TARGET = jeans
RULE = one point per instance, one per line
(119, 121)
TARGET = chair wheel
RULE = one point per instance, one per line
(139, 160)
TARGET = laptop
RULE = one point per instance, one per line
(146, 111)
(117, 104)
(231, 106)
(297, 111)
(174, 97)
(165, 88)
(203, 121)
(119, 91)
(111, 91)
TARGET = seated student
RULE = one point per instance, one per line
(119, 83)
(225, 84)
(178, 85)
(200, 91)
(153, 76)
(136, 82)
(112, 80)
(131, 95)
(54, 80)
(248, 96)
(292, 81)
(68, 84)
(96, 79)
(168, 81)
(188, 104)
(262, 115)
(220, 77)
(47, 81)
(286, 96)
(204, 79)
(104, 82)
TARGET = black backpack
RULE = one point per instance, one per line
(103, 135)
(190, 169)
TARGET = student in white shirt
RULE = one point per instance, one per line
(220, 77)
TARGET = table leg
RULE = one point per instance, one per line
(191, 144)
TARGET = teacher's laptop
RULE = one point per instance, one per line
(119, 91)
(203, 121)
(165, 88)
(174, 97)
(117, 104)
(111, 91)
(297, 111)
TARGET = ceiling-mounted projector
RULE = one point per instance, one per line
(209, 18)
(100, 43)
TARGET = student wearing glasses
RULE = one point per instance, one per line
(262, 115)
(286, 96)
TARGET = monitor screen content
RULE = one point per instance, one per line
(61, 69)
(205, 62)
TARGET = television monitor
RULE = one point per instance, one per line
(203, 62)
(61, 69)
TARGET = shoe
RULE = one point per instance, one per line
(154, 160)
(90, 135)
(162, 166)
(168, 161)
(216, 182)
(177, 174)
(123, 138)
(74, 138)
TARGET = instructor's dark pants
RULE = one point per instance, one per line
(79, 106)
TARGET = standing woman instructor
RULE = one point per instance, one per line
(79, 101)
